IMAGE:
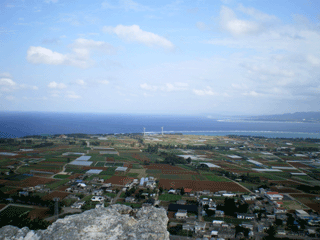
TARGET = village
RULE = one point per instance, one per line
(210, 186)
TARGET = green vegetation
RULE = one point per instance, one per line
(57, 184)
(216, 178)
(61, 176)
(169, 197)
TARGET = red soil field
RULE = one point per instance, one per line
(298, 165)
(73, 176)
(39, 213)
(62, 188)
(119, 180)
(286, 182)
(55, 194)
(304, 195)
(45, 170)
(201, 185)
(140, 158)
(33, 181)
(284, 190)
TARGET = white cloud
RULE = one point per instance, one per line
(148, 87)
(204, 92)
(72, 95)
(256, 14)
(43, 55)
(80, 82)
(80, 56)
(25, 86)
(135, 34)
(104, 82)
(57, 85)
(168, 87)
(235, 26)
(7, 82)
(251, 93)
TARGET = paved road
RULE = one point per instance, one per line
(64, 211)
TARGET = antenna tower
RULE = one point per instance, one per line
(144, 132)
(162, 131)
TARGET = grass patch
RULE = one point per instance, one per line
(105, 177)
(57, 184)
(134, 175)
(61, 176)
(136, 166)
(215, 178)
(169, 197)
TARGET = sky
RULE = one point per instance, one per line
(190, 57)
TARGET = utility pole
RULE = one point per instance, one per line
(56, 207)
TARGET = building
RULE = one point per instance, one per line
(219, 213)
(274, 196)
(301, 214)
(181, 214)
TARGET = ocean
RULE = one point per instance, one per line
(19, 124)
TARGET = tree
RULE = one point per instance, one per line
(271, 231)
(182, 191)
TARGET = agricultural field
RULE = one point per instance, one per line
(201, 185)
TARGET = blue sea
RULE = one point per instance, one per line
(19, 124)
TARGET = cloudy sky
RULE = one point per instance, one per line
(160, 57)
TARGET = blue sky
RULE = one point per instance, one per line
(160, 57)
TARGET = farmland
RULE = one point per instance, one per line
(177, 162)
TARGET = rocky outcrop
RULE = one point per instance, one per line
(113, 223)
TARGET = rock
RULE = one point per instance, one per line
(113, 223)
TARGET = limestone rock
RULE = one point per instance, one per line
(113, 223)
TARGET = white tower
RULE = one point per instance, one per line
(162, 131)
(144, 132)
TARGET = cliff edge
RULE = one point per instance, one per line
(113, 222)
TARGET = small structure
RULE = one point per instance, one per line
(219, 213)
(94, 171)
(97, 198)
(274, 196)
(121, 169)
(181, 214)
(130, 200)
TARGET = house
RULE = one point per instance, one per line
(214, 233)
(199, 226)
(181, 214)
(187, 191)
(229, 194)
(248, 198)
(190, 208)
(301, 214)
(97, 198)
(188, 227)
(217, 222)
(23, 194)
(245, 216)
(280, 210)
(246, 225)
(219, 213)
(97, 192)
(172, 191)
(274, 196)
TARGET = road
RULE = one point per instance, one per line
(64, 211)
(114, 200)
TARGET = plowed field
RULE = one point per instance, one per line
(201, 185)
(55, 194)
(119, 180)
(169, 169)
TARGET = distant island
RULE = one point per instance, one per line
(311, 117)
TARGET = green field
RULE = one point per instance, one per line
(14, 212)
(61, 176)
(169, 197)
(57, 184)
(215, 178)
